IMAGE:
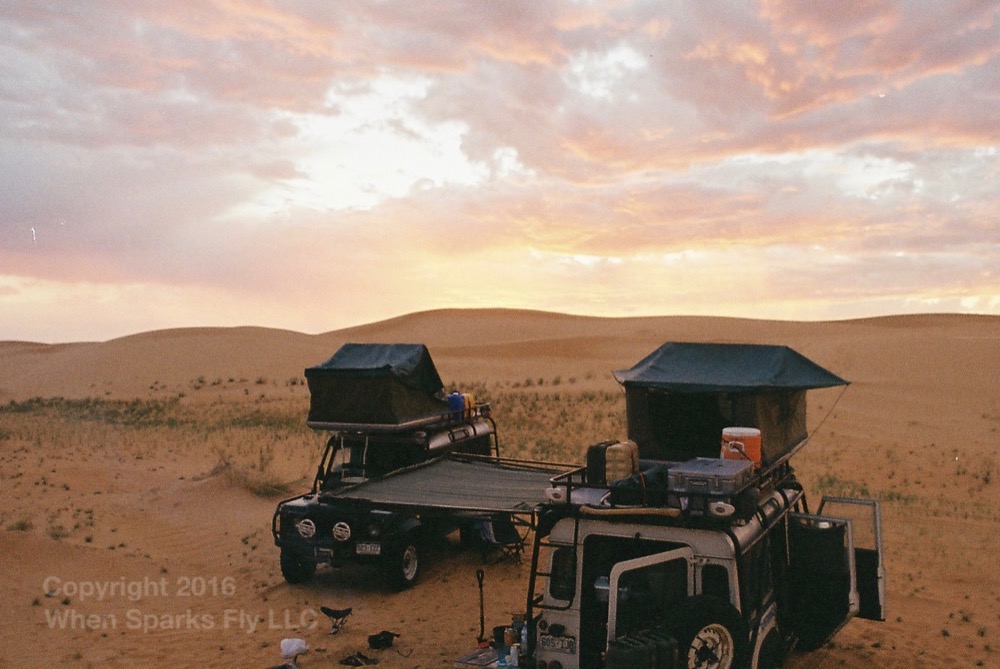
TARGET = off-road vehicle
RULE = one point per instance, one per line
(385, 409)
(697, 561)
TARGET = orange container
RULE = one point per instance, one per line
(740, 443)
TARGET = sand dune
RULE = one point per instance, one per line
(109, 502)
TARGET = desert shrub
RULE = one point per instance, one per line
(58, 532)
(556, 425)
(265, 420)
(23, 525)
(259, 481)
(127, 413)
(831, 484)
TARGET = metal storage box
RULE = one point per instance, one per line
(629, 653)
(664, 648)
(710, 476)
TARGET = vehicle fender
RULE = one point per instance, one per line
(408, 526)
(767, 624)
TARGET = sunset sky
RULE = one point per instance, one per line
(311, 165)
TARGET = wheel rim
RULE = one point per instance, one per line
(713, 647)
(409, 563)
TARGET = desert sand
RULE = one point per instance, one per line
(140, 476)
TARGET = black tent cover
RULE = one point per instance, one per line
(713, 368)
(411, 364)
(375, 384)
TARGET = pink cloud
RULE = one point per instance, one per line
(164, 142)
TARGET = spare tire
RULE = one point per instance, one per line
(710, 634)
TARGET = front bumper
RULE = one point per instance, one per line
(327, 537)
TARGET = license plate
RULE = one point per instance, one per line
(558, 644)
(368, 549)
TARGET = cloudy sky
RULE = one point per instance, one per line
(310, 165)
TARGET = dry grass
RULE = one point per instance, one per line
(550, 419)
(264, 446)
(257, 478)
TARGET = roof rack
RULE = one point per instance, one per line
(481, 410)
(571, 492)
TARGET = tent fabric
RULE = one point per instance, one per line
(680, 426)
(411, 364)
(703, 368)
(679, 398)
(374, 384)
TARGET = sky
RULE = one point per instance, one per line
(312, 165)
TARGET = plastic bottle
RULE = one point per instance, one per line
(456, 404)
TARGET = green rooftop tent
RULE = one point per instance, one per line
(681, 396)
(363, 384)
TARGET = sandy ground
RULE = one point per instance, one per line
(121, 554)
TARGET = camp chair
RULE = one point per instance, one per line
(502, 539)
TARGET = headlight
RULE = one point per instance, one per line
(341, 531)
(306, 528)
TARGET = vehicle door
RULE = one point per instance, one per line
(866, 524)
(824, 575)
(643, 590)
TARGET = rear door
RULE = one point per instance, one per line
(643, 590)
(866, 523)
(830, 578)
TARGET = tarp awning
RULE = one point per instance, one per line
(716, 368)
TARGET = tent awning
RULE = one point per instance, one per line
(715, 368)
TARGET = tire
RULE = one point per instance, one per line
(296, 568)
(772, 652)
(710, 635)
(402, 566)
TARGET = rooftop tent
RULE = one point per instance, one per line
(681, 396)
(387, 384)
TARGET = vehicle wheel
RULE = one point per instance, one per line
(403, 565)
(710, 635)
(771, 652)
(295, 567)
